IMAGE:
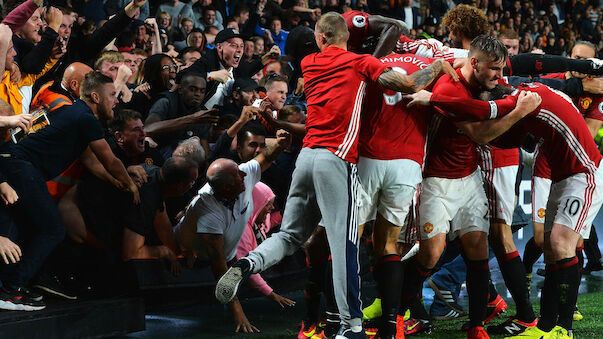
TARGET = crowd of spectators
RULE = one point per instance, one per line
(166, 88)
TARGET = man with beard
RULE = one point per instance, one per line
(243, 94)
(216, 218)
(453, 200)
(325, 182)
(44, 155)
(574, 200)
(219, 66)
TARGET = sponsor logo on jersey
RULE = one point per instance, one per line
(428, 227)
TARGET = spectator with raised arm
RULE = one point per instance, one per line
(180, 114)
(42, 156)
(217, 217)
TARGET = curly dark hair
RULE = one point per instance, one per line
(467, 21)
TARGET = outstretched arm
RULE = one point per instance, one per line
(214, 245)
(572, 87)
(115, 167)
(388, 30)
(415, 82)
(291, 127)
(273, 150)
(530, 64)
(483, 132)
(461, 108)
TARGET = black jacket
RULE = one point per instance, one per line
(210, 62)
(32, 58)
(86, 48)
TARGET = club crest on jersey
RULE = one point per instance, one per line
(541, 213)
(148, 161)
(428, 227)
(359, 21)
(585, 102)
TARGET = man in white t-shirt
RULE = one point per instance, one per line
(216, 218)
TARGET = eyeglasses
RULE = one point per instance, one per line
(172, 67)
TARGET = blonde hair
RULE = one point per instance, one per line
(332, 25)
(139, 75)
(108, 56)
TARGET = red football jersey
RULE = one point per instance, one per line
(334, 84)
(451, 154)
(541, 167)
(358, 24)
(390, 130)
(566, 140)
(590, 105)
(492, 157)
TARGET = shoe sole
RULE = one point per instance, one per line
(6, 305)
(228, 285)
(440, 296)
(354, 334)
(54, 292)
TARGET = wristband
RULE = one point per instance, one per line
(208, 76)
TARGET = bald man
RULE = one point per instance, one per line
(54, 95)
(216, 218)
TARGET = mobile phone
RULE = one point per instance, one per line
(38, 121)
(257, 103)
(216, 110)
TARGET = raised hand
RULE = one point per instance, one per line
(283, 138)
(206, 116)
(221, 76)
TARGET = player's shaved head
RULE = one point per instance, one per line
(73, 77)
(333, 27)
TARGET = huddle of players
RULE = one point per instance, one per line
(436, 149)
